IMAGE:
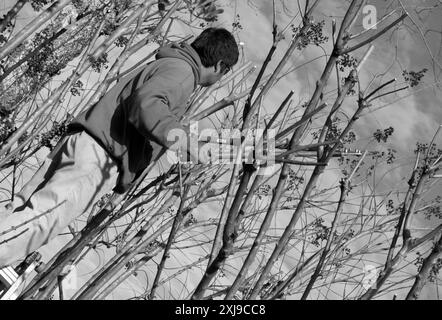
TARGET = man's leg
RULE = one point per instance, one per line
(44, 172)
(84, 173)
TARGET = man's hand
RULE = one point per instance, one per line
(213, 152)
(203, 153)
(199, 152)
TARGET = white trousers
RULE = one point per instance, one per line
(67, 184)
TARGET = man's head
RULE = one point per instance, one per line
(218, 51)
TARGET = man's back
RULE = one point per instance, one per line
(146, 103)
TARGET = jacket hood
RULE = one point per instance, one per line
(185, 52)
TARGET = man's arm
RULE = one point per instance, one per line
(150, 106)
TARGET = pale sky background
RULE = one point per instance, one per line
(415, 114)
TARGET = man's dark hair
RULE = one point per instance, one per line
(215, 44)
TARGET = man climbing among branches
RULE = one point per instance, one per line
(109, 145)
